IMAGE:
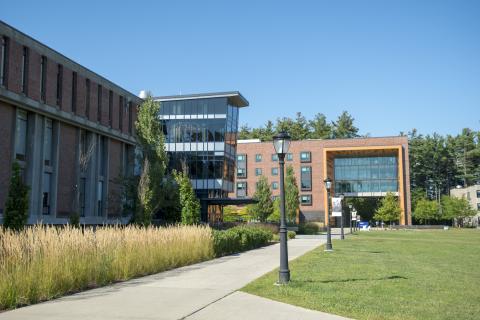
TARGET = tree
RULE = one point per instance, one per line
(170, 209)
(245, 132)
(263, 195)
(292, 202)
(456, 209)
(321, 129)
(154, 159)
(275, 216)
(389, 209)
(343, 127)
(188, 200)
(426, 210)
(16, 206)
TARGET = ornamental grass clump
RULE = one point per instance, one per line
(41, 262)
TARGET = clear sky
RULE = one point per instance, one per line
(394, 65)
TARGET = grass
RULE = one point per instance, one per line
(41, 263)
(386, 275)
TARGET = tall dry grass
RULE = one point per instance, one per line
(40, 263)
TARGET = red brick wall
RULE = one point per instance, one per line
(33, 90)
(81, 96)
(51, 92)
(7, 123)
(14, 66)
(66, 168)
(67, 90)
(115, 111)
(105, 106)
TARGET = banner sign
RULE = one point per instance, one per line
(354, 214)
(336, 207)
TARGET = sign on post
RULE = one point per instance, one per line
(354, 215)
(336, 207)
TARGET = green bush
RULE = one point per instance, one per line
(239, 239)
(291, 234)
(308, 228)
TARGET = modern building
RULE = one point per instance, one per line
(360, 167)
(472, 194)
(201, 138)
(70, 129)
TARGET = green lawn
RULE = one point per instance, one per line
(386, 275)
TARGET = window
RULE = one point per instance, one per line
(306, 178)
(289, 156)
(478, 194)
(274, 171)
(120, 117)
(87, 98)
(43, 79)
(110, 107)
(59, 84)
(130, 117)
(46, 193)
(24, 73)
(258, 157)
(74, 92)
(306, 199)
(99, 103)
(258, 171)
(47, 145)
(21, 136)
(241, 173)
(274, 185)
(241, 157)
(83, 182)
(241, 189)
(100, 198)
(305, 156)
(478, 206)
(274, 157)
(4, 62)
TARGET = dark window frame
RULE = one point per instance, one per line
(88, 85)
(99, 102)
(43, 78)
(120, 114)
(59, 85)
(5, 48)
(275, 185)
(306, 203)
(130, 117)
(74, 92)
(274, 171)
(258, 172)
(309, 178)
(24, 72)
(309, 157)
(245, 186)
(274, 157)
(258, 157)
(110, 108)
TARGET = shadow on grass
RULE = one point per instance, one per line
(394, 277)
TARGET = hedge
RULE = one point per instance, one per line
(238, 239)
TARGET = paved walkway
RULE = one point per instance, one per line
(202, 291)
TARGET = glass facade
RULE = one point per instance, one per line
(366, 174)
(201, 137)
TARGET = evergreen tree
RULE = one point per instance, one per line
(188, 200)
(292, 201)
(321, 129)
(426, 210)
(245, 132)
(389, 210)
(263, 195)
(343, 127)
(16, 206)
(170, 209)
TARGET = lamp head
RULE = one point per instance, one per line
(281, 142)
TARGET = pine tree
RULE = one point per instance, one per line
(263, 195)
(16, 206)
(344, 128)
(292, 201)
(389, 209)
(321, 129)
(188, 200)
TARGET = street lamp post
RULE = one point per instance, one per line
(350, 206)
(328, 185)
(281, 142)
(342, 234)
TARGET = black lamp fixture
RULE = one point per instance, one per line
(328, 186)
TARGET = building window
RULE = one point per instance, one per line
(241, 173)
(43, 79)
(110, 108)
(47, 177)
(241, 157)
(274, 157)
(130, 117)
(305, 156)
(24, 73)
(21, 136)
(59, 84)
(74, 92)
(275, 171)
(47, 145)
(258, 157)
(241, 165)
(289, 156)
(99, 103)
(100, 198)
(478, 206)
(241, 189)
(4, 62)
(478, 194)
(83, 183)
(306, 199)
(274, 185)
(87, 98)
(306, 178)
(258, 171)
(120, 116)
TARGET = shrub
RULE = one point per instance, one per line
(291, 234)
(16, 206)
(239, 239)
(308, 228)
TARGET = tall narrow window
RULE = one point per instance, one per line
(110, 108)
(83, 183)
(120, 117)
(24, 73)
(4, 62)
(130, 117)
(74, 92)
(21, 136)
(87, 98)
(43, 79)
(59, 84)
(99, 103)
(47, 177)
(306, 178)
(47, 145)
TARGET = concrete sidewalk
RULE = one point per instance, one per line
(198, 292)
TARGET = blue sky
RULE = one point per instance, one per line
(394, 65)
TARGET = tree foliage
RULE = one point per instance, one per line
(389, 210)
(456, 208)
(188, 200)
(344, 127)
(263, 195)
(292, 202)
(426, 210)
(16, 206)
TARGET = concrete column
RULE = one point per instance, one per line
(34, 165)
(91, 175)
(54, 178)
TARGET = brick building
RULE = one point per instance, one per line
(71, 131)
(361, 167)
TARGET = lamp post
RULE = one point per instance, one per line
(281, 142)
(350, 206)
(328, 186)
(342, 234)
